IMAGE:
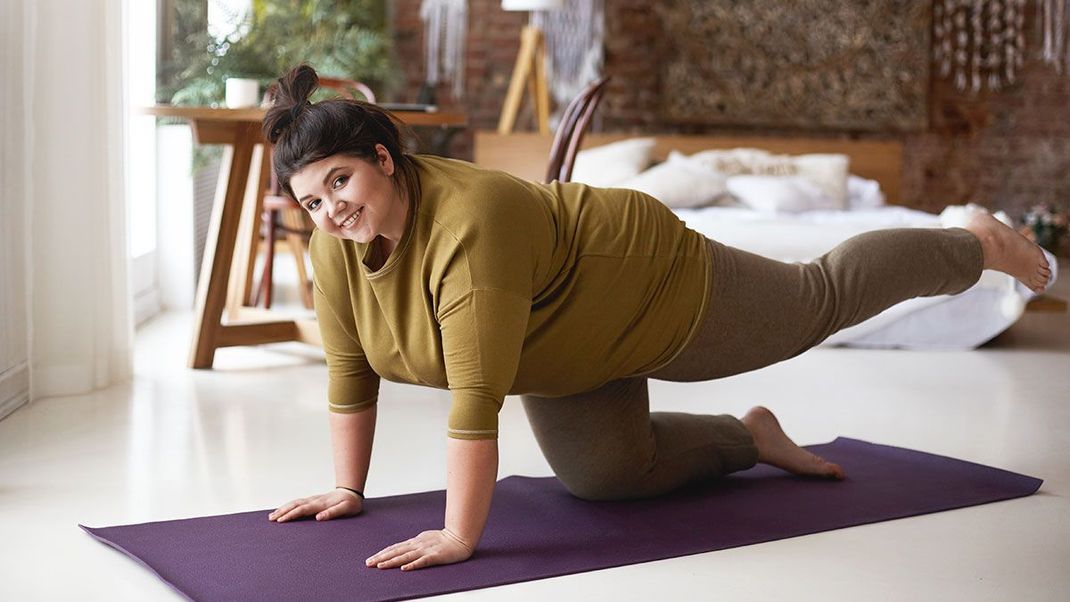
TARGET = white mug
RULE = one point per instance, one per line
(242, 93)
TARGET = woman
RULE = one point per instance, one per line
(433, 271)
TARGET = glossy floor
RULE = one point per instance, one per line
(252, 433)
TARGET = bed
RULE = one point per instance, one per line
(957, 322)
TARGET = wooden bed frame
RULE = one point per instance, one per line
(525, 154)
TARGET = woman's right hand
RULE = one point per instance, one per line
(333, 504)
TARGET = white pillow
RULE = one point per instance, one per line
(612, 163)
(739, 161)
(827, 171)
(779, 194)
(863, 193)
(679, 183)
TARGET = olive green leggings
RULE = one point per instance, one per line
(606, 444)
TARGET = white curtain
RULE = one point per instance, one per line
(80, 325)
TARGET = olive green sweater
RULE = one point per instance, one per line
(502, 286)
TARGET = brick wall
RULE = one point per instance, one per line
(1005, 150)
(492, 43)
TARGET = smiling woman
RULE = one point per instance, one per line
(433, 271)
(359, 172)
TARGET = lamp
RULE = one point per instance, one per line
(530, 68)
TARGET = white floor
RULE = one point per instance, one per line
(252, 433)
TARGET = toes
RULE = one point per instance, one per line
(829, 470)
(760, 413)
(836, 471)
(824, 468)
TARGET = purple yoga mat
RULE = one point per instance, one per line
(537, 529)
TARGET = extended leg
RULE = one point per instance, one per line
(763, 311)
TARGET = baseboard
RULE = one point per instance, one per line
(14, 389)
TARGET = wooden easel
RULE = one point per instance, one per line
(530, 68)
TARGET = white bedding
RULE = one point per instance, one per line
(961, 321)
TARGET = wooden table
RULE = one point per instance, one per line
(233, 233)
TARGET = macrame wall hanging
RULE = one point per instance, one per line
(574, 39)
(445, 28)
(1053, 19)
(979, 43)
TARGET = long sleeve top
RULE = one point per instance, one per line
(503, 286)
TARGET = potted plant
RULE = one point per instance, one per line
(339, 38)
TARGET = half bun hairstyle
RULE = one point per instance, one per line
(303, 132)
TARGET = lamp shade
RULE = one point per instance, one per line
(532, 4)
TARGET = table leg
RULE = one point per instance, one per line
(219, 247)
(247, 244)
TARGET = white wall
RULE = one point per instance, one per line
(14, 352)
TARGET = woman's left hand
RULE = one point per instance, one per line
(426, 549)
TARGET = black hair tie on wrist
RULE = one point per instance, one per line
(361, 494)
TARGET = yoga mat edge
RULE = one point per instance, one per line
(128, 554)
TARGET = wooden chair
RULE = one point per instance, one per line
(283, 214)
(570, 131)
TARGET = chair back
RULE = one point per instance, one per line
(570, 131)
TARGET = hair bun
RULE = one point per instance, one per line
(291, 96)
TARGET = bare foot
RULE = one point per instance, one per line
(1007, 251)
(774, 447)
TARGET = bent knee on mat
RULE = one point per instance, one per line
(599, 495)
(606, 490)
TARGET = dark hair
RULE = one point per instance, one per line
(304, 133)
